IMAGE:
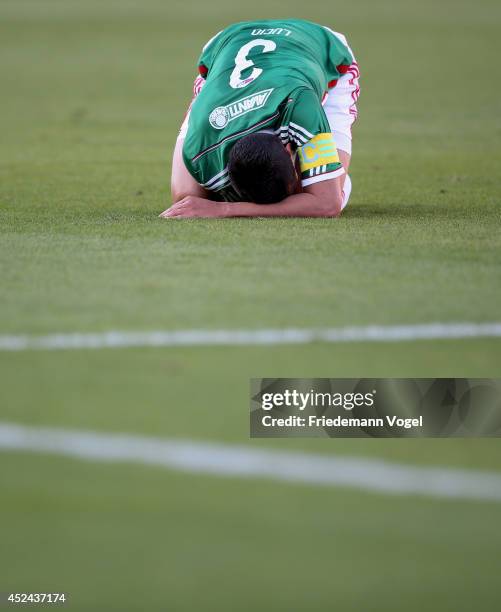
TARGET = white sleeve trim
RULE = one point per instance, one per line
(322, 177)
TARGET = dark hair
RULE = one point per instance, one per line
(260, 169)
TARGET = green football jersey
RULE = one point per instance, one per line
(265, 76)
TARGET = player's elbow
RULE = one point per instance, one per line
(329, 206)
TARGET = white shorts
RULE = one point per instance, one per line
(340, 103)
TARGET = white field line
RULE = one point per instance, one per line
(228, 337)
(248, 462)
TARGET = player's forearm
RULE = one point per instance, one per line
(297, 205)
(324, 204)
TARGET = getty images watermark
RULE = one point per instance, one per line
(378, 408)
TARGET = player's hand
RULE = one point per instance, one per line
(192, 207)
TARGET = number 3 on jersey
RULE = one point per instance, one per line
(242, 62)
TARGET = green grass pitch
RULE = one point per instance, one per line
(92, 95)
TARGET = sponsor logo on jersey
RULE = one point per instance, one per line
(222, 115)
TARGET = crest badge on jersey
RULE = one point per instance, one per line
(219, 118)
(222, 115)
